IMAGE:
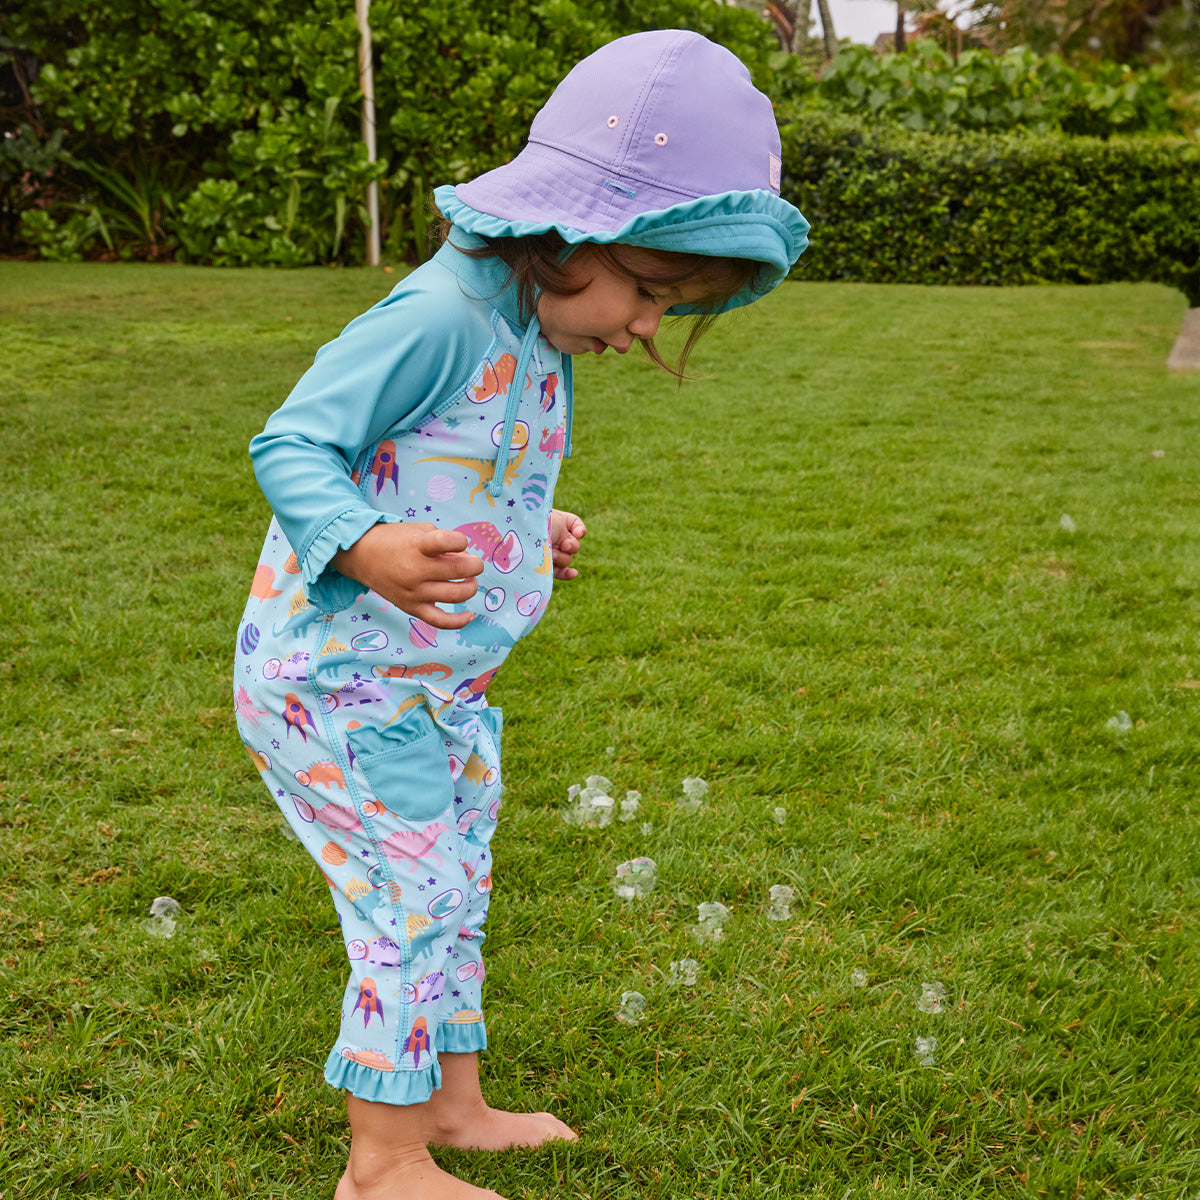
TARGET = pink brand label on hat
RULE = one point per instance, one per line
(776, 171)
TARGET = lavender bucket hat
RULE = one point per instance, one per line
(657, 139)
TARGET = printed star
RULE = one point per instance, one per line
(456, 993)
(429, 881)
(420, 887)
(279, 792)
(364, 854)
(410, 513)
(275, 743)
(511, 503)
(428, 508)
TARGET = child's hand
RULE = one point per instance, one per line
(566, 530)
(416, 566)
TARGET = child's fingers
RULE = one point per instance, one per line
(438, 617)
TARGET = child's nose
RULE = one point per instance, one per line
(645, 324)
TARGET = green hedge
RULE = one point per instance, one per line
(891, 206)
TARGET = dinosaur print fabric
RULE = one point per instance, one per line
(372, 730)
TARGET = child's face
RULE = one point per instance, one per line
(612, 310)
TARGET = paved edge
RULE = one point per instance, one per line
(1185, 354)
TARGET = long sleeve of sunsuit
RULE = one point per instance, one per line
(387, 370)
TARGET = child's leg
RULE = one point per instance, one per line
(458, 1115)
(389, 1159)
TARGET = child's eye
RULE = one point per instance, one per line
(647, 294)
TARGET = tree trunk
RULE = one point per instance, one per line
(801, 20)
(901, 40)
(827, 34)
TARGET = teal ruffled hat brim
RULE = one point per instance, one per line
(755, 225)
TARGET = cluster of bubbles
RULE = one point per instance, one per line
(592, 804)
(931, 1000)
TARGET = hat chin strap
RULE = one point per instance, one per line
(515, 392)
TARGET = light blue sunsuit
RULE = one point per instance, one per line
(371, 727)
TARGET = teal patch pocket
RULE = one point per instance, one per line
(406, 767)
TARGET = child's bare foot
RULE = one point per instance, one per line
(479, 1127)
(404, 1177)
(457, 1115)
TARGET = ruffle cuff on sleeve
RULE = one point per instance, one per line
(327, 588)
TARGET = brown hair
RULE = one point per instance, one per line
(537, 264)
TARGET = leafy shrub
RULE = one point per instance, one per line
(892, 206)
(251, 110)
(925, 89)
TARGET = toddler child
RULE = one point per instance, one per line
(411, 474)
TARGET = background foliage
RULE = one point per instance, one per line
(239, 132)
(167, 129)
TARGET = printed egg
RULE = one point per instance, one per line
(469, 970)
(441, 488)
(304, 810)
(356, 949)
(493, 598)
(260, 758)
(327, 702)
(467, 819)
(333, 854)
(527, 604)
(442, 906)
(421, 633)
(271, 668)
(520, 434)
(249, 639)
(508, 555)
(369, 641)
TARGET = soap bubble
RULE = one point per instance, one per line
(779, 815)
(162, 917)
(858, 977)
(599, 783)
(1066, 524)
(635, 878)
(932, 998)
(287, 831)
(694, 791)
(633, 1008)
(1121, 723)
(610, 750)
(926, 1047)
(713, 915)
(630, 805)
(781, 900)
(647, 828)
(684, 973)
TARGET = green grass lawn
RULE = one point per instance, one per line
(831, 574)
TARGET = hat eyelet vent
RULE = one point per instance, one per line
(613, 122)
(660, 139)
